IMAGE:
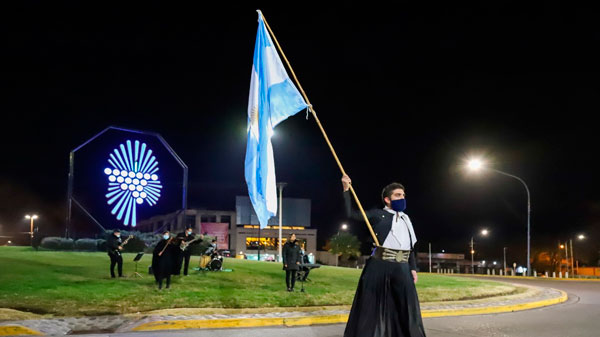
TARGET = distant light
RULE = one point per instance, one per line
(344, 226)
(581, 236)
(483, 261)
(472, 252)
(9, 241)
(562, 246)
(494, 263)
(484, 232)
(443, 251)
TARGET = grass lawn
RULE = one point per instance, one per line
(79, 283)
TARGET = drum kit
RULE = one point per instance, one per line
(212, 262)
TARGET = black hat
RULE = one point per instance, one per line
(117, 231)
(189, 227)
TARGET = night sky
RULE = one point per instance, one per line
(404, 94)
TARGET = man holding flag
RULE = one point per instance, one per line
(273, 98)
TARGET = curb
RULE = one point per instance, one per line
(333, 319)
(539, 278)
(240, 323)
(497, 309)
(10, 330)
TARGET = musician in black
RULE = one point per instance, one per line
(291, 261)
(304, 269)
(184, 254)
(212, 249)
(114, 248)
(162, 259)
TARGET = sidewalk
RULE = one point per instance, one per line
(175, 319)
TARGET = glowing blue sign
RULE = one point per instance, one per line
(132, 180)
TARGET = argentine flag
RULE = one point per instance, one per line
(273, 98)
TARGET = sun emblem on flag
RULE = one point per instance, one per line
(132, 180)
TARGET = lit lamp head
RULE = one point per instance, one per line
(31, 216)
(475, 165)
(485, 232)
(344, 226)
(581, 236)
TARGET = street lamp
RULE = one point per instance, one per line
(579, 237)
(337, 256)
(476, 165)
(280, 186)
(31, 217)
(483, 232)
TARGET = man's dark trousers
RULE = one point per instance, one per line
(116, 260)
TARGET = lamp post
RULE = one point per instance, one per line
(280, 186)
(476, 165)
(504, 259)
(571, 261)
(337, 256)
(31, 217)
(483, 232)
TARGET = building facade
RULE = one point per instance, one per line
(238, 231)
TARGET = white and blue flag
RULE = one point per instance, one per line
(273, 98)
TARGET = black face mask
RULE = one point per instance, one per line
(398, 205)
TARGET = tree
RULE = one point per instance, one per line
(344, 245)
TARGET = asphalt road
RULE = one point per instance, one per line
(579, 316)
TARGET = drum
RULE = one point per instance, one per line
(215, 264)
(204, 260)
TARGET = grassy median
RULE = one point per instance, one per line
(78, 284)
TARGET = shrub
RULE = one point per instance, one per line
(134, 245)
(101, 245)
(86, 244)
(56, 243)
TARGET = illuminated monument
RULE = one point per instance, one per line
(132, 180)
(119, 180)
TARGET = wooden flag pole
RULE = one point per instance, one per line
(314, 113)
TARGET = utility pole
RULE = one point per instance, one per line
(504, 260)
(472, 252)
(430, 257)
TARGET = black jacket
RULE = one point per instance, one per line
(112, 245)
(163, 265)
(291, 255)
(381, 222)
